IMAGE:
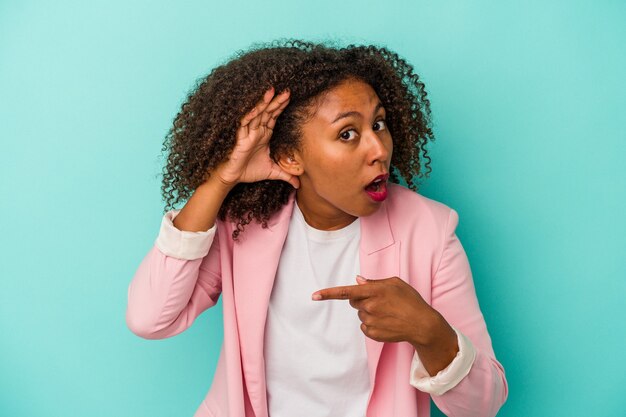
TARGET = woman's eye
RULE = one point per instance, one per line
(384, 122)
(346, 135)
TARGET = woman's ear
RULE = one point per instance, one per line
(290, 164)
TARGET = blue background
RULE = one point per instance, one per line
(528, 101)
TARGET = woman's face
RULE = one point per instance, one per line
(345, 146)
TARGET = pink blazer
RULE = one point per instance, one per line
(410, 236)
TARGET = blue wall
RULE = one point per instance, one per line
(528, 102)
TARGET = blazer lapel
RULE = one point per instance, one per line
(379, 259)
(255, 262)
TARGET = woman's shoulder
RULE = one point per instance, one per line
(408, 207)
(403, 198)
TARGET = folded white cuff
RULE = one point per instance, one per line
(183, 244)
(448, 377)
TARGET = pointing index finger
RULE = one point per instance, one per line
(345, 292)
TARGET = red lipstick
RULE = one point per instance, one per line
(377, 189)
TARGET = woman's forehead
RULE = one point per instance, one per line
(350, 98)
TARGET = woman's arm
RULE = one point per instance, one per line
(483, 391)
(176, 281)
(180, 277)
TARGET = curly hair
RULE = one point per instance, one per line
(203, 132)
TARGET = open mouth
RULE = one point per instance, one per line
(377, 189)
(375, 185)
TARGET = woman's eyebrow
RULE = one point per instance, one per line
(355, 113)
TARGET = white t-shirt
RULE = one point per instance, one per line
(315, 356)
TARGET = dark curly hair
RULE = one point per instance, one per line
(203, 133)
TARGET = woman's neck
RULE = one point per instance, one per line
(321, 215)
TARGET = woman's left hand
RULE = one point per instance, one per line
(391, 310)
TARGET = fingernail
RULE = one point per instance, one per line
(316, 297)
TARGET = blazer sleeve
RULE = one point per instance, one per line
(177, 280)
(484, 389)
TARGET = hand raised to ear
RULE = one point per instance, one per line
(250, 159)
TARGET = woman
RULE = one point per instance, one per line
(311, 165)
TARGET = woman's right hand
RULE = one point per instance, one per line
(250, 159)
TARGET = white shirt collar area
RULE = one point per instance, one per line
(325, 235)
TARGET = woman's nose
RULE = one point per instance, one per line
(378, 149)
